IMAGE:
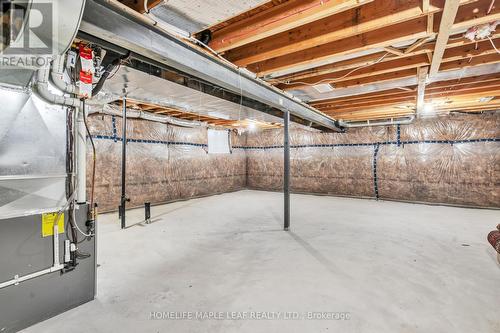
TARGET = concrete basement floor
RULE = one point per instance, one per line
(394, 267)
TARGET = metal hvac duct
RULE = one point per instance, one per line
(111, 21)
(32, 131)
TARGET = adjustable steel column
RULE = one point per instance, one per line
(286, 169)
(124, 161)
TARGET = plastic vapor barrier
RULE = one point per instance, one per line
(164, 163)
(454, 159)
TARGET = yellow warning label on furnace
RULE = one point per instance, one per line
(48, 221)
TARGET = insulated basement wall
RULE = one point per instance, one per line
(454, 159)
(164, 163)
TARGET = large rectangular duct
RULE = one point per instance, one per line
(102, 20)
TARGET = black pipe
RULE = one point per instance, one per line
(147, 212)
(205, 37)
(111, 67)
(124, 159)
(104, 76)
(286, 169)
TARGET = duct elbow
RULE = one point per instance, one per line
(57, 76)
(42, 91)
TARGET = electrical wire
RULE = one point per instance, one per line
(493, 44)
(241, 95)
(116, 71)
(94, 158)
(339, 78)
(490, 7)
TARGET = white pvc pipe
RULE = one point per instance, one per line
(57, 76)
(42, 90)
(352, 124)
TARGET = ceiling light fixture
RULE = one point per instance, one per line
(251, 126)
(428, 108)
(486, 99)
(323, 87)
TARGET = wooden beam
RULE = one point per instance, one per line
(456, 101)
(409, 97)
(360, 98)
(475, 61)
(376, 69)
(373, 114)
(377, 78)
(445, 28)
(367, 60)
(394, 51)
(372, 16)
(413, 46)
(425, 6)
(481, 48)
(491, 89)
(422, 81)
(320, 53)
(379, 38)
(475, 13)
(399, 104)
(467, 82)
(281, 18)
(485, 84)
(400, 63)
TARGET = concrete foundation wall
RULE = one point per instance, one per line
(452, 160)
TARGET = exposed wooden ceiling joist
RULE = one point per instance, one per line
(466, 94)
(445, 29)
(280, 18)
(369, 17)
(459, 46)
(454, 60)
(387, 36)
(465, 86)
(380, 38)
(361, 46)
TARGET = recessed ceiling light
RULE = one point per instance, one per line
(323, 87)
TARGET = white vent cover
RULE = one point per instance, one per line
(323, 87)
(218, 141)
